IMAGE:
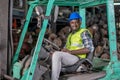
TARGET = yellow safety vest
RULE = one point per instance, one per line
(74, 42)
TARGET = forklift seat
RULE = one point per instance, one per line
(83, 65)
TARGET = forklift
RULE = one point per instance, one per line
(113, 67)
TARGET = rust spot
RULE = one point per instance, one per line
(30, 73)
(114, 52)
(113, 33)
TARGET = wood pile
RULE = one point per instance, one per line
(100, 36)
(97, 25)
(59, 38)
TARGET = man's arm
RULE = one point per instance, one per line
(80, 51)
(88, 44)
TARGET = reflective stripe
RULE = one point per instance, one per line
(81, 55)
(77, 45)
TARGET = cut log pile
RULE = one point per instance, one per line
(97, 25)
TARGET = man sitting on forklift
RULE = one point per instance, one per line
(79, 44)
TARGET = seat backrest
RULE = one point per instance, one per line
(90, 56)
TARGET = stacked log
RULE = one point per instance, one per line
(60, 38)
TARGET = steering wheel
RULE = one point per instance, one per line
(47, 44)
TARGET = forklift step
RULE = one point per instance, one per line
(83, 76)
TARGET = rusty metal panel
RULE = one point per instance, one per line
(3, 35)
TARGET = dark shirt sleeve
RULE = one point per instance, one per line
(87, 41)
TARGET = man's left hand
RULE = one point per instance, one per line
(66, 50)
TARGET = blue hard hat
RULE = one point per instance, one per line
(75, 15)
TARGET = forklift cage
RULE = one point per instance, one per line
(113, 69)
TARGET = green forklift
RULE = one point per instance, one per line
(109, 71)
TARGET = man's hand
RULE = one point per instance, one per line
(79, 51)
(66, 50)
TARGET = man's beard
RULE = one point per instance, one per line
(74, 29)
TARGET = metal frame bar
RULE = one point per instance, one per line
(113, 69)
(83, 15)
(23, 33)
(82, 3)
(31, 70)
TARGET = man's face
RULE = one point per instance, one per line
(75, 24)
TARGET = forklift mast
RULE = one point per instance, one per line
(113, 69)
